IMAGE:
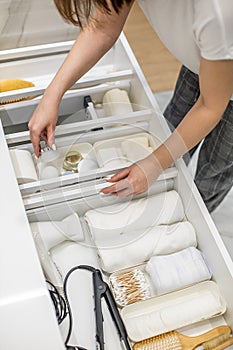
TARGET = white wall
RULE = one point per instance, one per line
(31, 22)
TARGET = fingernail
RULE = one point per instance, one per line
(35, 156)
(102, 193)
(54, 147)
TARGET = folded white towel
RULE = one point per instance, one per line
(49, 234)
(141, 140)
(53, 233)
(134, 150)
(171, 311)
(117, 219)
(177, 270)
(23, 164)
(138, 246)
(110, 157)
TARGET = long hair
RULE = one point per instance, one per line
(78, 12)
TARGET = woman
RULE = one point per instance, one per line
(200, 34)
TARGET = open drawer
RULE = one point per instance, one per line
(107, 251)
(27, 313)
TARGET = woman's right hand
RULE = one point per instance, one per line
(43, 123)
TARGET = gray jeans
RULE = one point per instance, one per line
(214, 174)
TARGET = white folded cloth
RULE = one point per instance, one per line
(23, 164)
(70, 254)
(135, 149)
(138, 246)
(110, 157)
(117, 219)
(141, 140)
(177, 270)
(53, 233)
(171, 311)
(80, 290)
(49, 234)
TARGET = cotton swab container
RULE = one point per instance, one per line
(130, 286)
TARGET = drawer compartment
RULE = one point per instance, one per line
(39, 64)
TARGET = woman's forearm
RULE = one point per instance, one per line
(216, 88)
(195, 126)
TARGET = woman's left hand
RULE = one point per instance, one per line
(135, 179)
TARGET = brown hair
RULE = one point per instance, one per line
(78, 12)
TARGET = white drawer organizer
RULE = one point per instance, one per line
(27, 316)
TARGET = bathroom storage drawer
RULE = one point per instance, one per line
(26, 312)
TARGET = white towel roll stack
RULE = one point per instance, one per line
(115, 220)
(136, 247)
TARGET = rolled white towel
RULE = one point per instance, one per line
(23, 165)
(171, 311)
(136, 247)
(177, 270)
(117, 219)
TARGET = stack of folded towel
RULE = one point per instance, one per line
(130, 233)
(177, 270)
(115, 220)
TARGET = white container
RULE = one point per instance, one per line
(114, 153)
(174, 310)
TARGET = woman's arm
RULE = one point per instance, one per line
(216, 89)
(92, 43)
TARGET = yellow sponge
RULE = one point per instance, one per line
(14, 84)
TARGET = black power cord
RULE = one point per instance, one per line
(58, 302)
(62, 309)
(74, 348)
(101, 289)
(68, 347)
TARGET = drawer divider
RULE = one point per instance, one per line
(83, 126)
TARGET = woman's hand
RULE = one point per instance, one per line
(91, 44)
(43, 122)
(135, 179)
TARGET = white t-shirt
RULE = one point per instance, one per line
(191, 29)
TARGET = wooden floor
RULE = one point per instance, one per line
(157, 63)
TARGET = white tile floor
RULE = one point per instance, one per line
(223, 215)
